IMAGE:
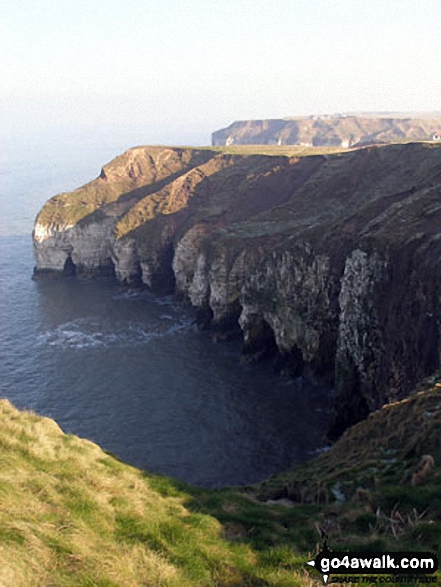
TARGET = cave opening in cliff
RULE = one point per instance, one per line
(162, 280)
(227, 327)
(108, 268)
(69, 266)
(290, 363)
(260, 342)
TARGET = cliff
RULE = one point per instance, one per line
(338, 130)
(328, 263)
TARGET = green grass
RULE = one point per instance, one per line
(71, 514)
(368, 484)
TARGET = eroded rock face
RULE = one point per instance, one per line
(360, 341)
(91, 228)
(329, 265)
(84, 248)
(126, 260)
(190, 265)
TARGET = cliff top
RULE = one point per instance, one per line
(250, 194)
(140, 172)
(131, 185)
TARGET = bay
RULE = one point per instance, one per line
(130, 371)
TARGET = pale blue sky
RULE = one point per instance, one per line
(182, 68)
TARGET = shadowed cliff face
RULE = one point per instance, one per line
(330, 263)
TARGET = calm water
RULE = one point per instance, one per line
(131, 372)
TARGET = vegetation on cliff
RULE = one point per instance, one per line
(379, 485)
(73, 515)
(144, 175)
(122, 182)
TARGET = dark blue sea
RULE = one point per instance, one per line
(130, 371)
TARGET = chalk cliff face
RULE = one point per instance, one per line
(330, 131)
(329, 264)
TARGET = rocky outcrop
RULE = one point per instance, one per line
(327, 264)
(84, 248)
(339, 130)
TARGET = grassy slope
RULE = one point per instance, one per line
(149, 182)
(369, 485)
(345, 186)
(72, 515)
(132, 175)
(143, 173)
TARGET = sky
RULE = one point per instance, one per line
(176, 70)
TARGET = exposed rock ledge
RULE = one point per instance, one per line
(332, 260)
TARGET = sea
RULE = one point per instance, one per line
(130, 371)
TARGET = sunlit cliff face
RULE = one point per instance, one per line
(332, 259)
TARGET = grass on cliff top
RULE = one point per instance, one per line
(67, 209)
(71, 515)
(122, 183)
(129, 176)
(279, 150)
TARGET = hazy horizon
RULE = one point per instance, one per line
(175, 71)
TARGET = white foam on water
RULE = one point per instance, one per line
(163, 301)
(89, 333)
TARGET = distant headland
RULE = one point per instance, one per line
(344, 130)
